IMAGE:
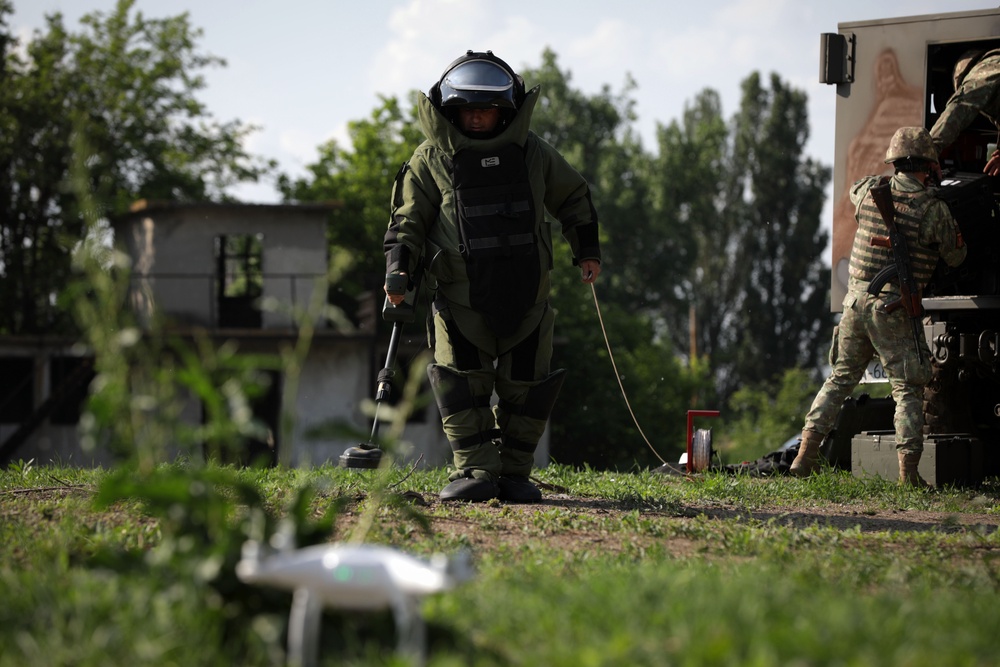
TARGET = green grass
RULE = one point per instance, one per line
(639, 569)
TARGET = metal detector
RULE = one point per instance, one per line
(368, 454)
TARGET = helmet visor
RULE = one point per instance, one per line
(477, 82)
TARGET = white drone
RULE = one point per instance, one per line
(360, 577)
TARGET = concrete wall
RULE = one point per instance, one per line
(337, 386)
(173, 255)
(340, 386)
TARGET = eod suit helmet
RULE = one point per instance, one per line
(478, 79)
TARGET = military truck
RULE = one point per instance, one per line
(898, 72)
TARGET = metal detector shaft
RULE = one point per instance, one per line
(384, 388)
(368, 455)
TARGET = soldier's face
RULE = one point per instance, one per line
(478, 121)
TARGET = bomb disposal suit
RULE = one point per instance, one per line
(470, 208)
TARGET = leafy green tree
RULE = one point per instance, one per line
(361, 179)
(596, 136)
(686, 241)
(681, 224)
(783, 319)
(766, 414)
(753, 286)
(592, 422)
(119, 100)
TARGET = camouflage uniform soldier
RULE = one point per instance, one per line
(977, 91)
(472, 200)
(865, 329)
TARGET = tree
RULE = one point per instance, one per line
(766, 414)
(591, 422)
(783, 318)
(361, 179)
(687, 239)
(116, 102)
(749, 202)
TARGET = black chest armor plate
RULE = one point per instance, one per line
(497, 228)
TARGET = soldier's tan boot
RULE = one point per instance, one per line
(807, 460)
(908, 474)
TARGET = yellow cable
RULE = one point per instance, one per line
(618, 375)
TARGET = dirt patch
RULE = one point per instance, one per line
(844, 517)
(569, 523)
(575, 524)
(866, 520)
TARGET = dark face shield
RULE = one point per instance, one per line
(477, 83)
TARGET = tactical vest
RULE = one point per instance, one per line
(867, 260)
(498, 234)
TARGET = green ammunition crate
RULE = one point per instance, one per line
(953, 458)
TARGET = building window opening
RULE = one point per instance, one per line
(239, 260)
(17, 389)
(70, 379)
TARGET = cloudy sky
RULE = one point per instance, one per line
(301, 69)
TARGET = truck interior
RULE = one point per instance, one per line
(971, 196)
(970, 152)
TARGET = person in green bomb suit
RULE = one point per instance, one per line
(469, 209)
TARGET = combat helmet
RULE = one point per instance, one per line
(913, 143)
(964, 65)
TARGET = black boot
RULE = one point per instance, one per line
(518, 489)
(474, 486)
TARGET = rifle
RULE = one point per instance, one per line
(909, 290)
